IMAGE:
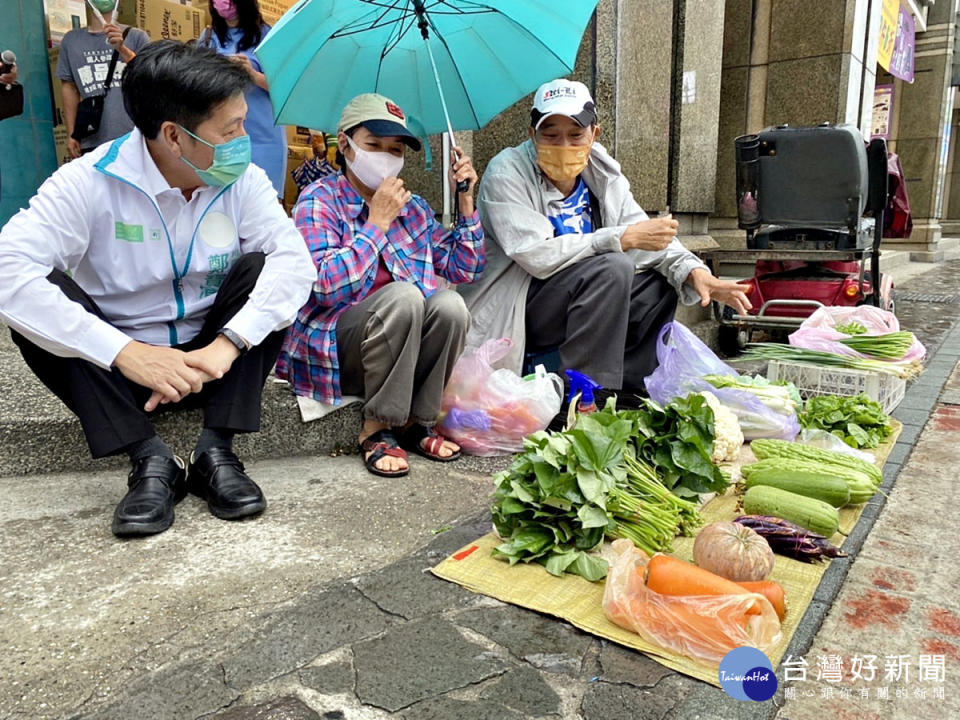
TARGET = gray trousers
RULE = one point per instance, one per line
(603, 317)
(397, 350)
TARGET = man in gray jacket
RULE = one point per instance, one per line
(573, 262)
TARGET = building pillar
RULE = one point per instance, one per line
(798, 62)
(950, 223)
(924, 111)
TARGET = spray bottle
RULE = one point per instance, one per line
(583, 386)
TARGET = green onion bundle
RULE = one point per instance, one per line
(819, 358)
(892, 346)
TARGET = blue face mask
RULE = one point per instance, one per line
(230, 160)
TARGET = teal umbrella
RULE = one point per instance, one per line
(450, 64)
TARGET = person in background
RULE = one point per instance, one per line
(575, 263)
(375, 325)
(158, 271)
(8, 76)
(319, 166)
(238, 28)
(85, 55)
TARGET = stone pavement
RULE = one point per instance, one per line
(324, 609)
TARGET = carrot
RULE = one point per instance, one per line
(670, 576)
(771, 591)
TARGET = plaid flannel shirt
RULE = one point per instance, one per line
(332, 217)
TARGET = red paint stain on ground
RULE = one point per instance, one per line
(936, 646)
(876, 608)
(944, 621)
(946, 418)
(889, 578)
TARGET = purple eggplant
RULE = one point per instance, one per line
(791, 540)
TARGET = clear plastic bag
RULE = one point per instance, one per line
(701, 627)
(684, 361)
(814, 437)
(489, 412)
(817, 331)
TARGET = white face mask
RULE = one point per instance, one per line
(372, 168)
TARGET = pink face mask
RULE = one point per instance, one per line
(225, 9)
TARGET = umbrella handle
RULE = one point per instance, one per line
(462, 185)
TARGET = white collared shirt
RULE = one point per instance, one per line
(151, 260)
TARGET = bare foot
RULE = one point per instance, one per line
(446, 450)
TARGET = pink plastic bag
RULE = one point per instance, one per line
(490, 412)
(817, 331)
(702, 627)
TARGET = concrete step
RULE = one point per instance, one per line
(946, 248)
(38, 434)
(902, 272)
(891, 259)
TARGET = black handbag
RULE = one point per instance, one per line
(11, 100)
(90, 109)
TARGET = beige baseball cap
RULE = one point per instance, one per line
(378, 114)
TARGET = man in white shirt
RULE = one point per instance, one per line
(158, 272)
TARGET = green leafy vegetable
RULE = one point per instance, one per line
(678, 441)
(606, 476)
(859, 421)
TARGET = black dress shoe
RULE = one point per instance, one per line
(217, 475)
(156, 483)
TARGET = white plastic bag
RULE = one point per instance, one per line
(490, 412)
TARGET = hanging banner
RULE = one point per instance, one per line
(901, 64)
(895, 48)
(889, 18)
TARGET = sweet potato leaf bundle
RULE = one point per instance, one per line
(567, 490)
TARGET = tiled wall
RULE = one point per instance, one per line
(27, 155)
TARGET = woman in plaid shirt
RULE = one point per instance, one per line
(376, 325)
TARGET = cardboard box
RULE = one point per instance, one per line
(163, 20)
(272, 10)
(62, 17)
(295, 157)
(298, 136)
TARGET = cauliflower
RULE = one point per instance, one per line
(729, 437)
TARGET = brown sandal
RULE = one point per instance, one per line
(413, 439)
(379, 444)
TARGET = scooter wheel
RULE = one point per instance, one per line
(731, 340)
